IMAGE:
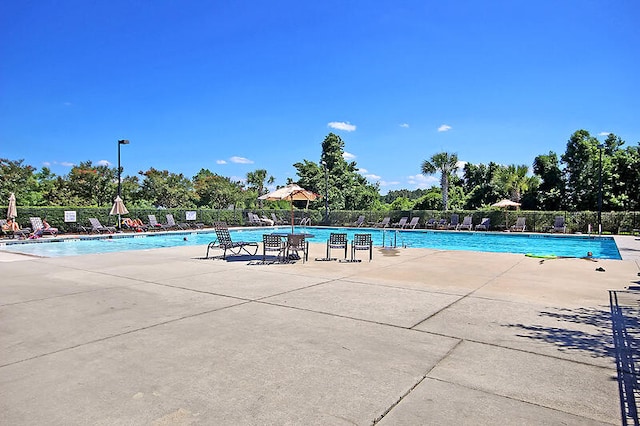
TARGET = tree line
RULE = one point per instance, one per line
(569, 181)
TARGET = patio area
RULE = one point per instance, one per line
(416, 336)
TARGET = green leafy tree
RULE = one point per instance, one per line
(215, 191)
(478, 185)
(165, 189)
(447, 165)
(552, 187)
(431, 200)
(348, 189)
(93, 185)
(581, 171)
(18, 178)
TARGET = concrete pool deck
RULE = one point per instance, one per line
(417, 336)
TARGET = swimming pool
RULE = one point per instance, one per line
(500, 242)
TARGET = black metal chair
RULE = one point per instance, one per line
(361, 242)
(272, 243)
(225, 243)
(337, 241)
(297, 243)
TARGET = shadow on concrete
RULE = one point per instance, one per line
(597, 341)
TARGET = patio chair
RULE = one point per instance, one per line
(337, 241)
(297, 243)
(171, 223)
(442, 224)
(383, 223)
(455, 221)
(414, 223)
(277, 220)
(38, 227)
(96, 226)
(361, 242)
(519, 225)
(467, 223)
(225, 242)
(273, 243)
(484, 224)
(154, 224)
(359, 222)
(431, 223)
(401, 223)
(19, 233)
(559, 225)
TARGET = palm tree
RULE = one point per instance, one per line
(256, 181)
(447, 165)
(513, 180)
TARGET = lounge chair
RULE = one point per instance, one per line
(414, 223)
(442, 224)
(484, 224)
(154, 224)
(131, 225)
(39, 228)
(96, 226)
(225, 242)
(337, 241)
(455, 221)
(401, 223)
(273, 243)
(431, 223)
(19, 233)
(519, 225)
(359, 222)
(297, 243)
(559, 225)
(361, 242)
(467, 223)
(276, 220)
(383, 223)
(171, 223)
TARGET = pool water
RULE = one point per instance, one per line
(536, 244)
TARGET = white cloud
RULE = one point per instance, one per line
(390, 183)
(348, 156)
(362, 171)
(221, 162)
(422, 181)
(67, 164)
(404, 125)
(240, 160)
(604, 133)
(342, 125)
(444, 128)
(372, 176)
(46, 164)
(103, 163)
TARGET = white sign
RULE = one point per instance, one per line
(69, 215)
(190, 215)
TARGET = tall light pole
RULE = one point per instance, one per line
(326, 193)
(120, 142)
(600, 148)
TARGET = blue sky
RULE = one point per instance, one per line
(235, 86)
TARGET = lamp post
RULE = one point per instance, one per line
(120, 142)
(600, 148)
(326, 193)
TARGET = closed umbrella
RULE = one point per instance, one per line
(118, 208)
(291, 192)
(505, 204)
(12, 211)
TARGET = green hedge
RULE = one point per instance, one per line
(612, 222)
